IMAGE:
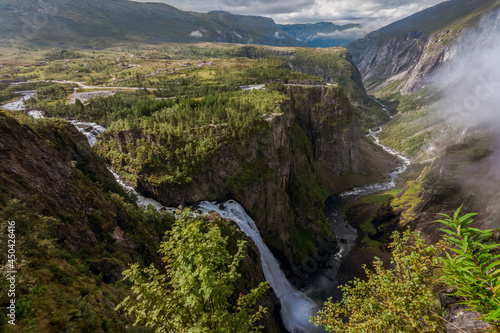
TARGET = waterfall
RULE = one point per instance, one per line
(90, 130)
(296, 307)
(19, 104)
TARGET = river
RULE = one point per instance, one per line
(19, 104)
(324, 284)
(297, 306)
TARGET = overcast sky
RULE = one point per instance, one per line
(375, 13)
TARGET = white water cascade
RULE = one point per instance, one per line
(296, 307)
(19, 104)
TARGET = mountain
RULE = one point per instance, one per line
(107, 22)
(93, 23)
(413, 47)
(435, 70)
(249, 29)
(322, 34)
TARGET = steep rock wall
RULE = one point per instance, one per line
(411, 49)
(411, 57)
(283, 176)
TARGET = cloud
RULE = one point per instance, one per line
(312, 11)
(470, 80)
(469, 84)
(352, 33)
(196, 33)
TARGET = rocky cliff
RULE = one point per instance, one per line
(411, 49)
(76, 231)
(465, 174)
(283, 176)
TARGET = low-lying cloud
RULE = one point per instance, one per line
(352, 33)
(470, 85)
(470, 81)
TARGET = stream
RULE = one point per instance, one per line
(19, 104)
(297, 306)
(324, 284)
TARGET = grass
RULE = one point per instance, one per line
(379, 198)
(411, 196)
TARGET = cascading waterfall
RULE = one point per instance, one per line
(19, 104)
(296, 307)
(90, 130)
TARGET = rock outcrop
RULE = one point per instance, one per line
(283, 176)
(465, 174)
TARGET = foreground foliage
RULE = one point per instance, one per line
(193, 295)
(474, 266)
(390, 300)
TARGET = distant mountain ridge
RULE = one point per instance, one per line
(98, 23)
(323, 34)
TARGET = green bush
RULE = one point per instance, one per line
(473, 266)
(400, 299)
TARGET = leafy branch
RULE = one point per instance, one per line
(473, 267)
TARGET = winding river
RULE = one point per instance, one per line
(297, 306)
(325, 284)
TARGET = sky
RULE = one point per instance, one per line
(372, 13)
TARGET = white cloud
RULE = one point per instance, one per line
(470, 80)
(312, 11)
(352, 33)
(196, 33)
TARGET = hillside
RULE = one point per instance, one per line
(427, 68)
(76, 231)
(398, 48)
(401, 63)
(83, 23)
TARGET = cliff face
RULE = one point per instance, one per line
(77, 232)
(54, 170)
(412, 48)
(333, 65)
(464, 174)
(278, 176)
(399, 57)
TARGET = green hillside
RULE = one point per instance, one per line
(91, 23)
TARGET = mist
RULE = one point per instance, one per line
(470, 79)
(469, 85)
